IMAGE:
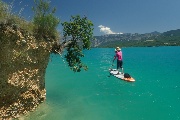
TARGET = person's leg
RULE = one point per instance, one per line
(121, 63)
(118, 66)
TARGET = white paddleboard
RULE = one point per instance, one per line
(114, 73)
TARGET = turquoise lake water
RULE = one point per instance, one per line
(93, 95)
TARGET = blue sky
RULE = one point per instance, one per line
(115, 16)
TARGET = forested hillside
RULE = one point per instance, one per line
(169, 38)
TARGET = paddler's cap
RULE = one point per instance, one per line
(118, 49)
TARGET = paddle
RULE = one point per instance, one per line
(110, 69)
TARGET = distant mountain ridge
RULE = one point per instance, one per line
(169, 38)
(172, 32)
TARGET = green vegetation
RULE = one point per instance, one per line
(44, 21)
(7, 17)
(142, 43)
(80, 32)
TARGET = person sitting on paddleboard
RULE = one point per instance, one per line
(118, 56)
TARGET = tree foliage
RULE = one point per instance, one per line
(45, 22)
(80, 32)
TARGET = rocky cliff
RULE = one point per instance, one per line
(23, 62)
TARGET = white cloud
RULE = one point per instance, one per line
(107, 30)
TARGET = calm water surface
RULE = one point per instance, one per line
(93, 95)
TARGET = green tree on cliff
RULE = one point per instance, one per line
(79, 30)
(45, 23)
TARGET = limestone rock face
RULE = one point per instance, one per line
(23, 62)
